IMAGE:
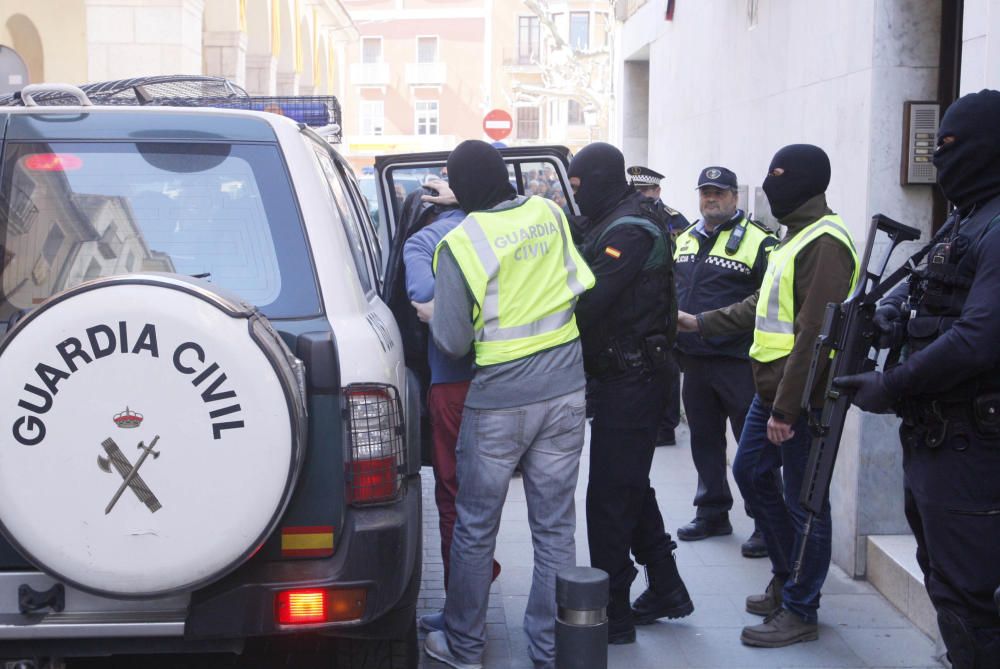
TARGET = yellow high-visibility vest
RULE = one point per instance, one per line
(688, 247)
(774, 334)
(525, 276)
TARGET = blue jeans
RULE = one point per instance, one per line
(547, 439)
(779, 516)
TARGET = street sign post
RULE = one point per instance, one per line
(497, 124)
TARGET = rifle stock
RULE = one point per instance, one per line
(847, 338)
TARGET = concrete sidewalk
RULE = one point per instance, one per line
(858, 627)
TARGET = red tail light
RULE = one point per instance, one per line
(298, 607)
(376, 456)
(52, 162)
(373, 480)
(318, 605)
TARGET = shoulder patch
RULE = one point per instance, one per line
(613, 252)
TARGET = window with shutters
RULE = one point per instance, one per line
(527, 40)
(528, 122)
(579, 30)
(427, 117)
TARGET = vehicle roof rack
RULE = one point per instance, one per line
(321, 112)
(134, 91)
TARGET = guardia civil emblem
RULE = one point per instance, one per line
(130, 473)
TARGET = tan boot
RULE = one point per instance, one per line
(762, 605)
(781, 628)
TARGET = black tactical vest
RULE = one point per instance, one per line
(649, 305)
(939, 289)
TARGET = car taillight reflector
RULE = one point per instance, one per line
(373, 480)
(52, 162)
(311, 606)
(376, 457)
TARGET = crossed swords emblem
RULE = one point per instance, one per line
(129, 473)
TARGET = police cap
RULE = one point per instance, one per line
(718, 177)
(643, 177)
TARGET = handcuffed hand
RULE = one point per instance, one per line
(778, 431)
(445, 195)
(686, 322)
(425, 310)
(868, 391)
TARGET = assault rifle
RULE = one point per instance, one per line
(849, 336)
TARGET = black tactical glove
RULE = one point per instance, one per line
(890, 321)
(869, 392)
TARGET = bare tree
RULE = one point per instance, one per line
(583, 75)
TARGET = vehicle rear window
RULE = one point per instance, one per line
(71, 212)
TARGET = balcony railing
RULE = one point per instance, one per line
(370, 74)
(426, 74)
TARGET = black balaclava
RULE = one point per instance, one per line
(478, 176)
(806, 175)
(601, 170)
(968, 168)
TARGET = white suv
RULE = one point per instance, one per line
(211, 434)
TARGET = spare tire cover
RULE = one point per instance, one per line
(154, 433)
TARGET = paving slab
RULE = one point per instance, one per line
(858, 627)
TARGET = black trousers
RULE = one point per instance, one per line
(716, 389)
(622, 514)
(672, 414)
(953, 507)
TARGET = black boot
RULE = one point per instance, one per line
(666, 596)
(621, 625)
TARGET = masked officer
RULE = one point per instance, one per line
(814, 264)
(947, 389)
(627, 327)
(507, 280)
(647, 182)
(720, 260)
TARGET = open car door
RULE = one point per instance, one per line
(534, 170)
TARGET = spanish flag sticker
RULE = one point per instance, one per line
(307, 541)
(613, 252)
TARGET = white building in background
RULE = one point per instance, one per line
(728, 82)
(272, 47)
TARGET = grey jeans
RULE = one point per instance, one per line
(546, 438)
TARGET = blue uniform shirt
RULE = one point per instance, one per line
(418, 256)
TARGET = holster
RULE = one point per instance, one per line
(929, 423)
(632, 354)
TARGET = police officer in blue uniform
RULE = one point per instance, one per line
(647, 183)
(947, 388)
(720, 260)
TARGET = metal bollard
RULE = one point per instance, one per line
(582, 619)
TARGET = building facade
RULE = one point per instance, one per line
(424, 73)
(411, 75)
(271, 47)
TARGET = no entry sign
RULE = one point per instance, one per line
(497, 124)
